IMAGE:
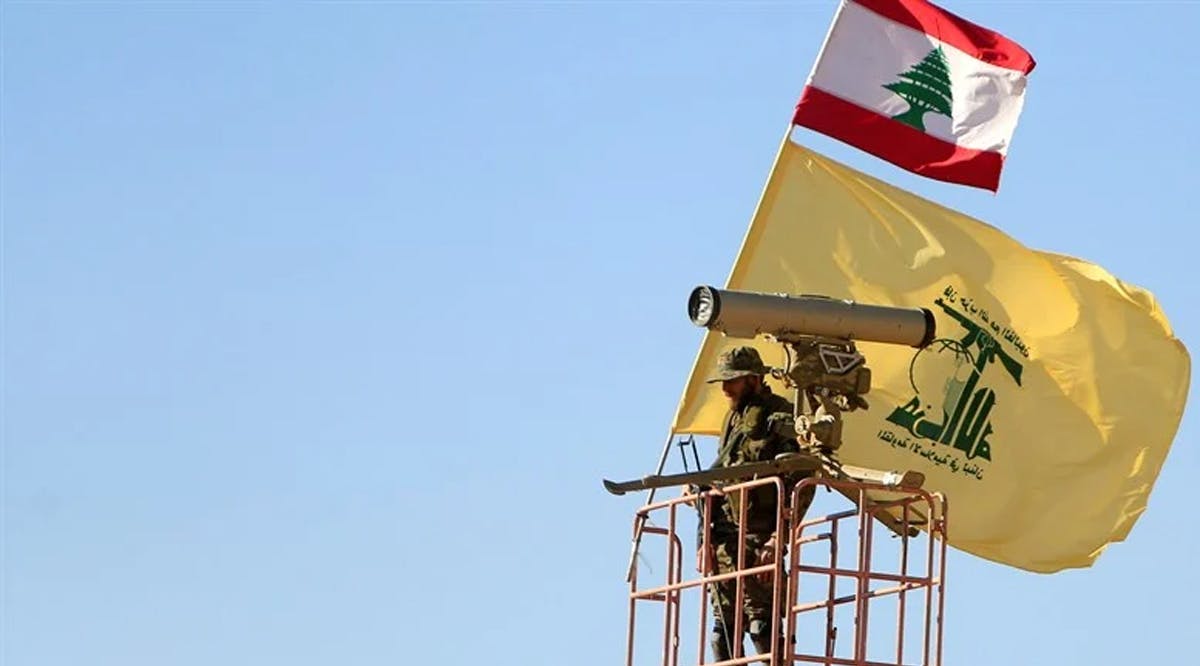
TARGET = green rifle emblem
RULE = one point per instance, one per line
(966, 406)
(926, 88)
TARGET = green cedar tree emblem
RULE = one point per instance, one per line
(926, 88)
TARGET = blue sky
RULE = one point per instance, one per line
(322, 322)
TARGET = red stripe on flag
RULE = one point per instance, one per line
(974, 40)
(896, 142)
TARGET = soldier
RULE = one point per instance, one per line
(749, 436)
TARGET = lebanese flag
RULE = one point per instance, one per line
(919, 87)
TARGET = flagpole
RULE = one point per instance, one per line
(825, 43)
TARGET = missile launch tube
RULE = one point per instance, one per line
(745, 314)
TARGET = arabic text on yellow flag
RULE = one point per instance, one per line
(1046, 406)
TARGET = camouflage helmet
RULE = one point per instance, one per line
(738, 362)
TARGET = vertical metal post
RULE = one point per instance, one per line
(932, 525)
(862, 587)
(671, 597)
(738, 608)
(777, 580)
(903, 583)
(705, 566)
(944, 505)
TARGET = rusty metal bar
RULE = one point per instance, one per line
(669, 649)
(945, 508)
(678, 612)
(777, 576)
(702, 568)
(740, 660)
(683, 585)
(686, 497)
(830, 627)
(873, 575)
(793, 579)
(861, 583)
(632, 578)
(872, 594)
(828, 518)
(902, 598)
(928, 606)
(831, 661)
(739, 644)
(812, 538)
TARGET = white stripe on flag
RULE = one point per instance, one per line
(865, 51)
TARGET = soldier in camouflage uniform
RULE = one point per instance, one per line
(749, 436)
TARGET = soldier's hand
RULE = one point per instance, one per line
(704, 559)
(766, 555)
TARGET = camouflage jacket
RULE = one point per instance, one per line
(747, 438)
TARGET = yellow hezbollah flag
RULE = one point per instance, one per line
(1046, 406)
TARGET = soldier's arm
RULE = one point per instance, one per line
(783, 426)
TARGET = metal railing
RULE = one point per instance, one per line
(813, 558)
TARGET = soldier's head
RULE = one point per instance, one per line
(740, 371)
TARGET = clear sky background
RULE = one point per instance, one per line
(322, 322)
